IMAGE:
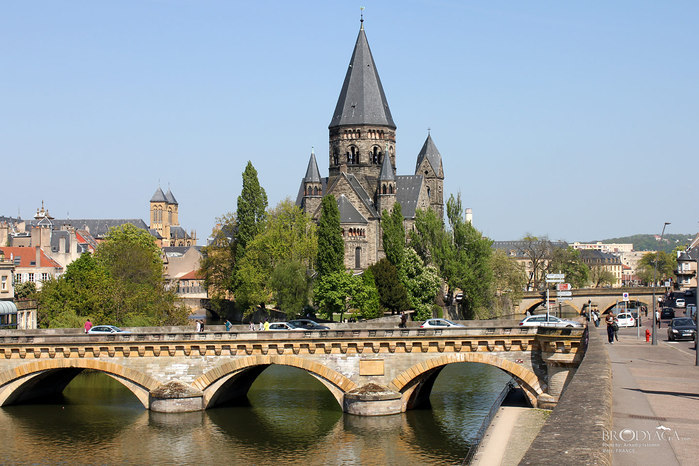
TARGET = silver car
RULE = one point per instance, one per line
(541, 321)
(439, 323)
(105, 329)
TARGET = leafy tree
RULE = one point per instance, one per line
(393, 235)
(421, 282)
(430, 239)
(538, 252)
(392, 294)
(218, 260)
(470, 268)
(291, 287)
(599, 276)
(666, 263)
(366, 297)
(568, 261)
(509, 281)
(289, 235)
(251, 212)
(25, 290)
(331, 247)
(334, 293)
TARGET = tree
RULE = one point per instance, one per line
(331, 246)
(251, 212)
(392, 294)
(291, 287)
(366, 297)
(600, 276)
(289, 235)
(430, 239)
(568, 261)
(470, 267)
(25, 290)
(334, 293)
(218, 260)
(509, 281)
(666, 264)
(393, 235)
(421, 283)
(537, 252)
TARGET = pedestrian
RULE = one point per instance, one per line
(88, 325)
(198, 325)
(228, 325)
(611, 321)
(657, 317)
(252, 326)
(266, 327)
(261, 327)
(595, 318)
(201, 326)
(403, 319)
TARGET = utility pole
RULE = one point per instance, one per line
(655, 273)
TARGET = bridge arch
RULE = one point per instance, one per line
(232, 380)
(51, 376)
(416, 383)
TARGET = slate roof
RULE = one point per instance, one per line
(178, 232)
(158, 196)
(407, 193)
(362, 99)
(98, 228)
(170, 197)
(361, 192)
(312, 172)
(387, 172)
(348, 214)
(429, 151)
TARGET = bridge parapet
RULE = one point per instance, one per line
(402, 363)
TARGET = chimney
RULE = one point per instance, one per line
(38, 257)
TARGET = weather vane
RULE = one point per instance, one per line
(361, 15)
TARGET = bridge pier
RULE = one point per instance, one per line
(561, 368)
(372, 400)
(175, 397)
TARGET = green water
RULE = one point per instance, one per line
(291, 419)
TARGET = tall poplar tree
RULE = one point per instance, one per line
(393, 235)
(251, 213)
(331, 247)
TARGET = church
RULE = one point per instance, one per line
(362, 165)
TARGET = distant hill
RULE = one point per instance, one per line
(651, 243)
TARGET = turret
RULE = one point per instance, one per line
(312, 186)
(386, 190)
(429, 165)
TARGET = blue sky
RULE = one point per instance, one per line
(576, 120)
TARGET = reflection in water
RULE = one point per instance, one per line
(292, 418)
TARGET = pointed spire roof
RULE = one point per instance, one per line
(312, 173)
(387, 169)
(170, 197)
(429, 151)
(159, 196)
(362, 100)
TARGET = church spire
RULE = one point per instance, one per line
(312, 172)
(387, 173)
(362, 100)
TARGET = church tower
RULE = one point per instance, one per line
(386, 191)
(312, 187)
(362, 130)
(429, 165)
(158, 213)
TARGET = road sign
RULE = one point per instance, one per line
(625, 296)
(555, 280)
(555, 276)
(564, 293)
(564, 287)
(564, 298)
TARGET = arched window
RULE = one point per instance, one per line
(169, 216)
(358, 258)
(390, 189)
(428, 192)
(383, 189)
(315, 191)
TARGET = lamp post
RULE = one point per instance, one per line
(655, 273)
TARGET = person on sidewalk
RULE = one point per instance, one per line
(657, 317)
(611, 321)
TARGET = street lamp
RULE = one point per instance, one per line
(655, 273)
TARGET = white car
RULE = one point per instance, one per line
(276, 326)
(625, 319)
(439, 323)
(541, 321)
(105, 329)
(679, 302)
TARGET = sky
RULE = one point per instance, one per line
(572, 120)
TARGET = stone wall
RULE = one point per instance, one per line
(573, 434)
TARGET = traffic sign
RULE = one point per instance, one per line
(564, 287)
(555, 280)
(564, 293)
(554, 276)
(564, 298)
(625, 296)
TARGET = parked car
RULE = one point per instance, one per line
(625, 319)
(308, 324)
(540, 320)
(282, 326)
(439, 323)
(680, 302)
(681, 327)
(105, 329)
(667, 313)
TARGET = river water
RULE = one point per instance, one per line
(291, 418)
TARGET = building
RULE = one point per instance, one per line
(596, 259)
(31, 265)
(362, 165)
(7, 272)
(164, 220)
(686, 271)
(533, 256)
(615, 248)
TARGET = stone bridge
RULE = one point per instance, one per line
(369, 371)
(605, 298)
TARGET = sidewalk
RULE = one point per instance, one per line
(655, 401)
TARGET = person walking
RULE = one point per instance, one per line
(228, 325)
(657, 317)
(266, 325)
(610, 321)
(252, 326)
(403, 319)
(198, 326)
(88, 325)
(595, 318)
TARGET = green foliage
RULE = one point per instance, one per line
(366, 297)
(538, 252)
(392, 294)
(251, 212)
(666, 264)
(470, 268)
(393, 235)
(568, 261)
(421, 282)
(331, 247)
(25, 290)
(430, 240)
(288, 236)
(334, 292)
(291, 287)
(652, 242)
(218, 260)
(121, 285)
(509, 280)
(599, 276)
